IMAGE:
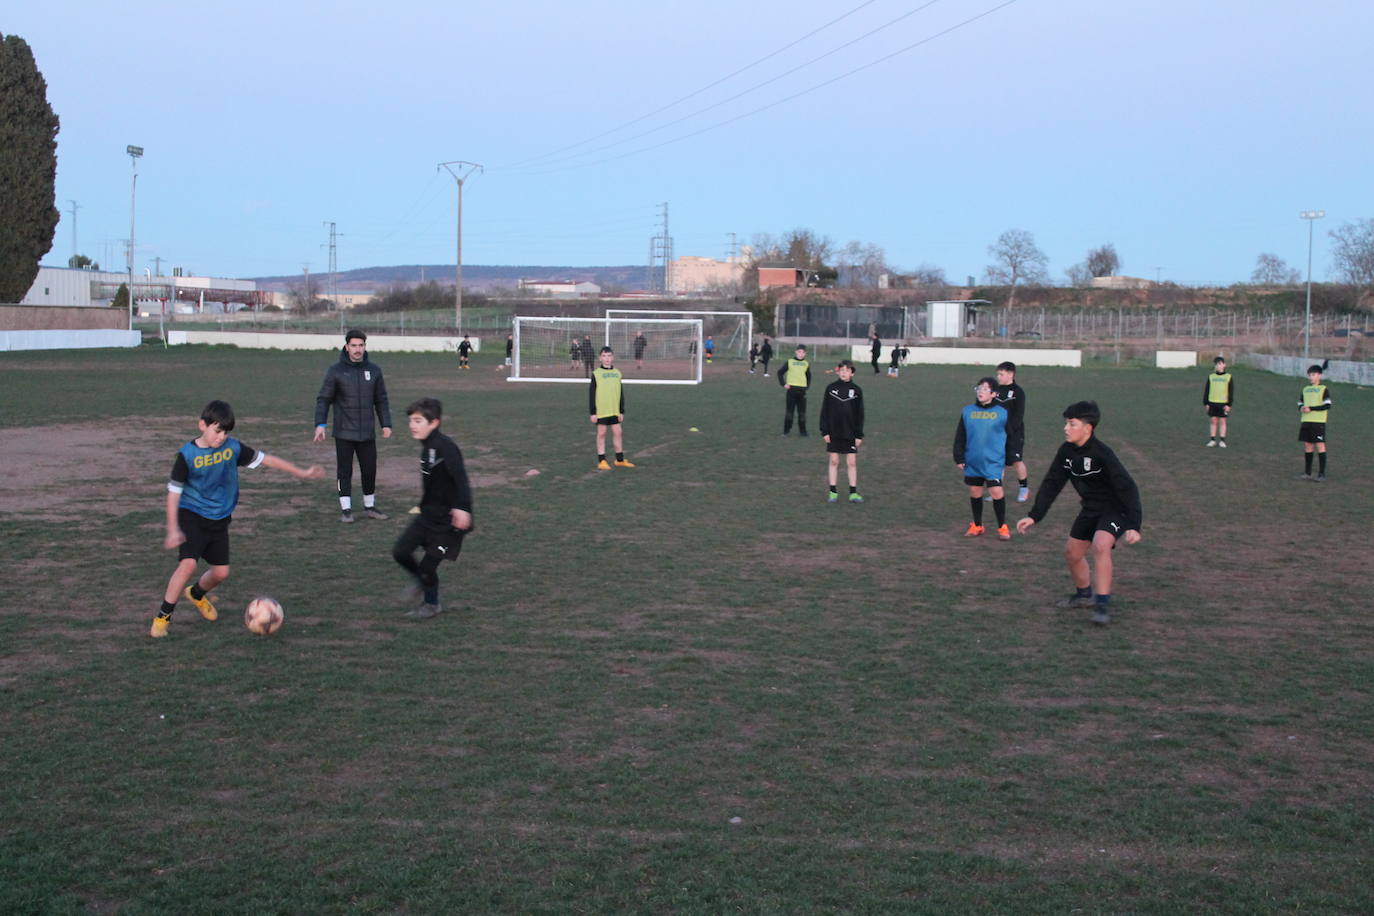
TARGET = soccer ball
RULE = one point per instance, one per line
(263, 616)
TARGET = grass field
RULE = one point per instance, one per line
(690, 687)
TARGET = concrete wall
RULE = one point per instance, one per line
(970, 356)
(65, 318)
(1340, 370)
(1175, 359)
(67, 340)
(376, 343)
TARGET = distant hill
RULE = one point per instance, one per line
(475, 276)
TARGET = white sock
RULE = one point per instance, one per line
(345, 503)
(369, 500)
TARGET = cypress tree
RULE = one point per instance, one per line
(28, 168)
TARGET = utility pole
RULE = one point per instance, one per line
(334, 267)
(157, 266)
(75, 206)
(661, 256)
(1311, 216)
(734, 249)
(460, 171)
(307, 300)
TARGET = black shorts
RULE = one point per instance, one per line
(1016, 441)
(842, 446)
(440, 543)
(983, 481)
(608, 421)
(1312, 432)
(1216, 410)
(206, 538)
(1089, 523)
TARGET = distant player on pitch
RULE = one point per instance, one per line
(1314, 406)
(1013, 397)
(980, 443)
(1110, 510)
(445, 508)
(464, 350)
(1218, 394)
(606, 403)
(795, 377)
(201, 496)
(842, 427)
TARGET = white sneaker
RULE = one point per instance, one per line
(1023, 494)
(1222, 443)
(1211, 443)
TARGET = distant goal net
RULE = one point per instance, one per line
(648, 351)
(731, 332)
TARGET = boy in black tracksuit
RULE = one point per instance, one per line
(842, 427)
(445, 507)
(1110, 510)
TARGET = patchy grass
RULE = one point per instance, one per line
(693, 686)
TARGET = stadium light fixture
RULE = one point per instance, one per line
(135, 154)
(1311, 216)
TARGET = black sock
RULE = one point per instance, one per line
(1023, 482)
(1103, 601)
(1321, 463)
(167, 608)
(619, 456)
(1307, 462)
(853, 489)
(999, 508)
(432, 595)
(832, 488)
(197, 592)
(602, 456)
(976, 504)
(1084, 592)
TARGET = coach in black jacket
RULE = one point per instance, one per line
(355, 387)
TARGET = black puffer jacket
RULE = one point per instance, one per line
(356, 390)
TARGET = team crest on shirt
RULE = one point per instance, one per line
(1087, 464)
(367, 374)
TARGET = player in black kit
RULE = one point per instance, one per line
(1110, 510)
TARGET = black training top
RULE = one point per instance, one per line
(1101, 480)
(443, 481)
(1013, 398)
(842, 411)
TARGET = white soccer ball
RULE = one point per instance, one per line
(263, 616)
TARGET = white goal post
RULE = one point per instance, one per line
(733, 331)
(648, 351)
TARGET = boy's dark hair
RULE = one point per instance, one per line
(608, 350)
(990, 382)
(218, 413)
(845, 364)
(355, 334)
(1086, 411)
(799, 347)
(429, 408)
(1314, 368)
(1007, 366)
(1219, 359)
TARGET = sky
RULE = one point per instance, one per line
(1188, 135)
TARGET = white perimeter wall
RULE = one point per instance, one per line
(970, 356)
(1175, 359)
(68, 340)
(376, 343)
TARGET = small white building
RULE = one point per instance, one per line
(560, 289)
(74, 286)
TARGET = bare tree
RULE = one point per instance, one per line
(1017, 260)
(1103, 261)
(1354, 255)
(1078, 275)
(800, 248)
(1272, 270)
(862, 265)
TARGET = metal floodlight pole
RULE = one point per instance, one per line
(1311, 216)
(135, 153)
(460, 171)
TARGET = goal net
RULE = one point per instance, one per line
(648, 351)
(731, 332)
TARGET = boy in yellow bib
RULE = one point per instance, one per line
(606, 403)
(1314, 406)
(1218, 394)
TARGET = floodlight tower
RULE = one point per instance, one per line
(135, 154)
(1311, 216)
(460, 171)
